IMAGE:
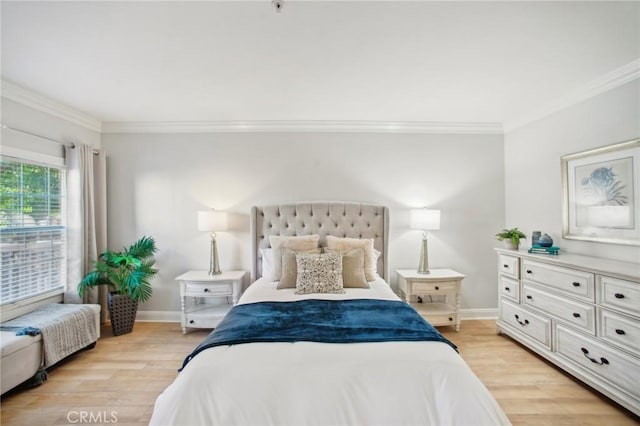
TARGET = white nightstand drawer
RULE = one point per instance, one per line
(198, 321)
(620, 330)
(531, 324)
(578, 314)
(509, 288)
(434, 288)
(571, 281)
(619, 294)
(610, 364)
(508, 265)
(209, 289)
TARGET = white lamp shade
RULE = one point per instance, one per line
(425, 219)
(212, 221)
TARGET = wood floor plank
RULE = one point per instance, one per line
(125, 374)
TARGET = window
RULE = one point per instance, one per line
(32, 230)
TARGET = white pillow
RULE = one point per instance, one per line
(348, 244)
(267, 262)
(302, 243)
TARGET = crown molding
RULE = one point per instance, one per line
(301, 126)
(602, 84)
(47, 105)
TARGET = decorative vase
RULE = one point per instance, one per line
(545, 241)
(122, 311)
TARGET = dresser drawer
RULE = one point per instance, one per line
(578, 314)
(620, 330)
(508, 265)
(576, 283)
(202, 289)
(530, 324)
(608, 363)
(444, 287)
(619, 294)
(509, 288)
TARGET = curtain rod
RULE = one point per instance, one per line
(70, 145)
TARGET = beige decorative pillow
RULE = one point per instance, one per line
(303, 243)
(319, 273)
(346, 244)
(290, 268)
(353, 269)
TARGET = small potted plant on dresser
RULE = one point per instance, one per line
(511, 238)
(128, 274)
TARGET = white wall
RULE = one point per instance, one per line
(532, 164)
(22, 117)
(157, 183)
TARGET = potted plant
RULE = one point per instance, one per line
(128, 274)
(511, 237)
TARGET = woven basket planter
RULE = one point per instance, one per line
(122, 311)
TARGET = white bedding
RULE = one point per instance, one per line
(307, 383)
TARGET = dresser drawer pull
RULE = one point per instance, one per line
(620, 332)
(530, 297)
(522, 323)
(206, 290)
(191, 321)
(529, 271)
(619, 296)
(505, 266)
(602, 361)
(576, 284)
(437, 288)
(450, 319)
(507, 289)
(576, 315)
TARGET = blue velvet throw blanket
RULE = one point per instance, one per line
(324, 321)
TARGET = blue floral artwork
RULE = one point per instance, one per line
(604, 192)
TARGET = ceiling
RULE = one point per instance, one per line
(399, 61)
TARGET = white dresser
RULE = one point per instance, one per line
(581, 313)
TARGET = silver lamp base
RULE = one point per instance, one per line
(423, 266)
(214, 265)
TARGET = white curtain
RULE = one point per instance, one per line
(86, 220)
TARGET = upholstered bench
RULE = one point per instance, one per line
(23, 356)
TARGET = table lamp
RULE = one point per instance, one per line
(213, 221)
(425, 220)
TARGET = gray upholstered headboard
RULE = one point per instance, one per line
(340, 219)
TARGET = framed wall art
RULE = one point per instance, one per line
(601, 194)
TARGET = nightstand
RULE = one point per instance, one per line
(197, 288)
(419, 291)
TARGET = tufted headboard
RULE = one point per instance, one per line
(340, 219)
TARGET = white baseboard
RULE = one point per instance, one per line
(158, 316)
(174, 316)
(479, 314)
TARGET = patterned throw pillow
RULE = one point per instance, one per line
(319, 273)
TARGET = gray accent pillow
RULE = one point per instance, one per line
(353, 269)
(290, 268)
(319, 273)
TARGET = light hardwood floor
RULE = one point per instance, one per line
(123, 376)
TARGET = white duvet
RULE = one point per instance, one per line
(307, 383)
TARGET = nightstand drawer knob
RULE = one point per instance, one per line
(576, 284)
(529, 297)
(619, 296)
(507, 289)
(206, 290)
(505, 266)
(191, 322)
(576, 315)
(529, 271)
(437, 288)
(619, 331)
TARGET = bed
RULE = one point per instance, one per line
(307, 382)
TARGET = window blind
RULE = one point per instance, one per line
(32, 229)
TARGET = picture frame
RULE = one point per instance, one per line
(601, 194)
